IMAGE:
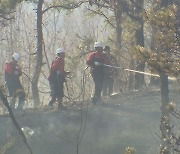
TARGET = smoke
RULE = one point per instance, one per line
(111, 127)
(106, 131)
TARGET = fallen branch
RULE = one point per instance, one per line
(5, 102)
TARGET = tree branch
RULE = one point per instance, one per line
(102, 14)
(6, 18)
(103, 5)
(5, 102)
(136, 18)
(136, 4)
(65, 6)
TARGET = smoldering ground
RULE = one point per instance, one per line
(122, 121)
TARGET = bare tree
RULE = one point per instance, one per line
(38, 66)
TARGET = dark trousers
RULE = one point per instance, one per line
(16, 91)
(108, 86)
(98, 81)
(57, 92)
(21, 101)
(57, 89)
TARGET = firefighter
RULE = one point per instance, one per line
(12, 77)
(110, 73)
(57, 79)
(96, 60)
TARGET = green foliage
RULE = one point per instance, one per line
(159, 61)
(130, 150)
(7, 5)
(163, 57)
(84, 47)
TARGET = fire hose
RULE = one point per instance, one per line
(131, 70)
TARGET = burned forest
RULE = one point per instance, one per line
(89, 77)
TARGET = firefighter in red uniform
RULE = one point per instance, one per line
(12, 74)
(96, 60)
(57, 79)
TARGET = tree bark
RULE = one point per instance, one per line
(165, 119)
(38, 65)
(177, 24)
(164, 92)
(118, 17)
(131, 76)
(154, 81)
(139, 35)
(165, 3)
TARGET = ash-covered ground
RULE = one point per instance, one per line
(124, 120)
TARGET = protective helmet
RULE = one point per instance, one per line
(98, 45)
(59, 50)
(16, 56)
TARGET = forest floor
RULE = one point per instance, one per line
(124, 120)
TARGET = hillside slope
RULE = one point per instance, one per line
(121, 121)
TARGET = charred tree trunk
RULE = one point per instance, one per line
(38, 65)
(139, 35)
(131, 76)
(118, 17)
(164, 92)
(177, 24)
(165, 3)
(154, 80)
(165, 119)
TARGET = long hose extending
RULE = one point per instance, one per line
(82, 89)
(68, 96)
(140, 72)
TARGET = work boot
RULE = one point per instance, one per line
(61, 107)
(50, 105)
(19, 107)
(99, 101)
(94, 100)
(52, 101)
(21, 103)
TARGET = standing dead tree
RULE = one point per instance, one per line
(39, 53)
(38, 66)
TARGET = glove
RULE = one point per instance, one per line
(98, 63)
(16, 73)
(17, 68)
(67, 72)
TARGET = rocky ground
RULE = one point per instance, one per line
(126, 119)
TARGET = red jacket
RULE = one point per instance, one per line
(12, 74)
(13, 69)
(58, 65)
(96, 56)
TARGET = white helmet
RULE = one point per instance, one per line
(98, 45)
(16, 56)
(59, 50)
